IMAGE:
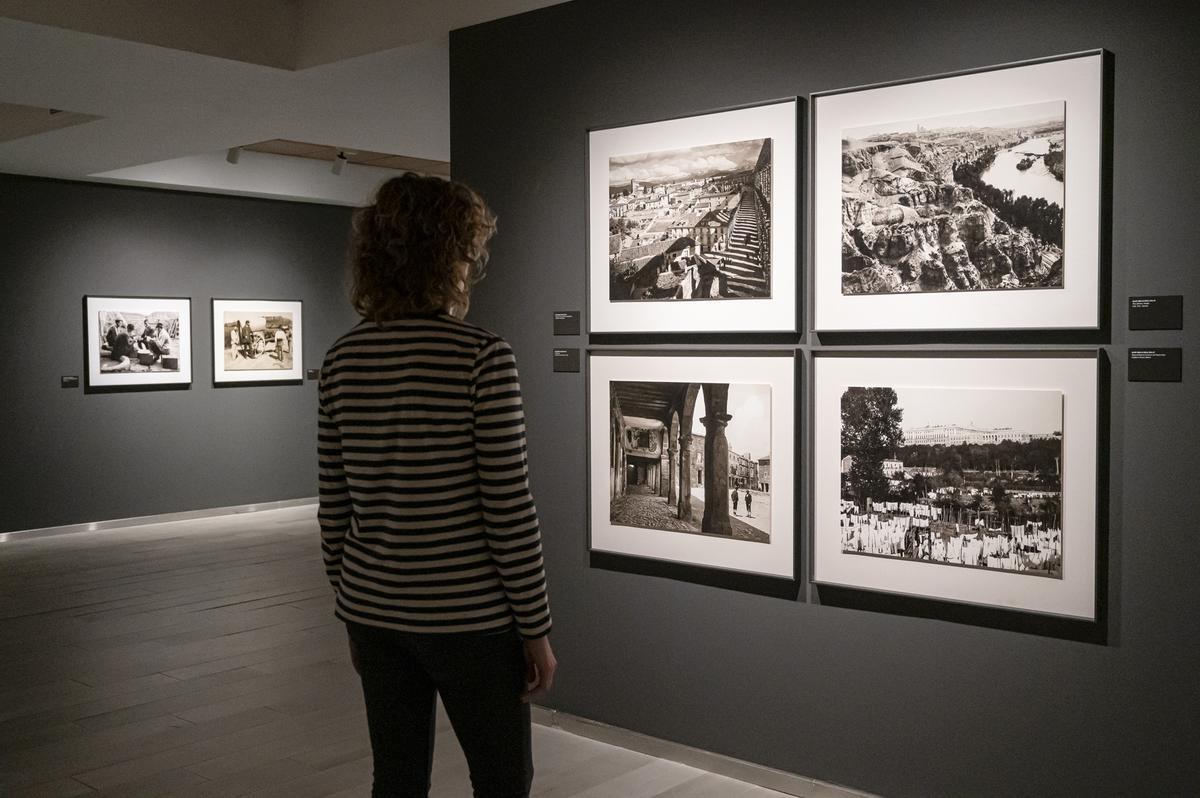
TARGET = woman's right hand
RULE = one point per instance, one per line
(540, 666)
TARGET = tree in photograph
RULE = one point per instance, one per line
(920, 486)
(957, 502)
(1049, 512)
(870, 432)
(975, 506)
(1001, 501)
(951, 462)
(950, 485)
(620, 225)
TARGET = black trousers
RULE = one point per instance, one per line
(479, 677)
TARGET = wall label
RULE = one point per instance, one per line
(566, 322)
(566, 360)
(70, 382)
(312, 374)
(1158, 364)
(1156, 312)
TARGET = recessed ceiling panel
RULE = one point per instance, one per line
(19, 121)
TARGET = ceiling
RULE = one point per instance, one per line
(167, 87)
(650, 400)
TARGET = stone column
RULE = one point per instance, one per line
(672, 472)
(664, 465)
(684, 500)
(621, 474)
(614, 457)
(716, 461)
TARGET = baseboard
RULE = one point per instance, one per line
(162, 518)
(760, 775)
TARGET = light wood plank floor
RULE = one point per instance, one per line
(201, 658)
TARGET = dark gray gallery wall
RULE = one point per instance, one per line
(891, 703)
(71, 457)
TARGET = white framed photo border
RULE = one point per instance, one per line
(137, 342)
(649, 417)
(692, 223)
(1016, 532)
(912, 227)
(257, 341)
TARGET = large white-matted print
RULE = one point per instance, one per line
(691, 458)
(969, 201)
(959, 477)
(257, 340)
(692, 223)
(137, 342)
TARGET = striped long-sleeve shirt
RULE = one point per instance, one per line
(427, 523)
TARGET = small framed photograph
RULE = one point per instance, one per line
(960, 477)
(257, 341)
(970, 201)
(691, 458)
(692, 223)
(137, 342)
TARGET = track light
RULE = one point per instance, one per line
(339, 161)
(234, 154)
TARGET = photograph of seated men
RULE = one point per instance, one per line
(128, 349)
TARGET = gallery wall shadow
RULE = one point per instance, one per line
(102, 389)
(803, 213)
(756, 584)
(1095, 632)
(704, 340)
(1107, 610)
(1097, 337)
(255, 384)
(1107, 155)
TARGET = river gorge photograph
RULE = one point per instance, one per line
(966, 202)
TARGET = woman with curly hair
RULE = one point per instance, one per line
(428, 530)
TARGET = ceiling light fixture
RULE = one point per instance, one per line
(234, 154)
(339, 161)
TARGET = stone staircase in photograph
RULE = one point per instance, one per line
(740, 258)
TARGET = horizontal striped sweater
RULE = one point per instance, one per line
(427, 522)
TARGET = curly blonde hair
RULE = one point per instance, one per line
(408, 246)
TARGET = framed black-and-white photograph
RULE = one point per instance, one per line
(963, 202)
(692, 223)
(257, 340)
(137, 342)
(967, 478)
(691, 458)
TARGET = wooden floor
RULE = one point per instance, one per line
(201, 658)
